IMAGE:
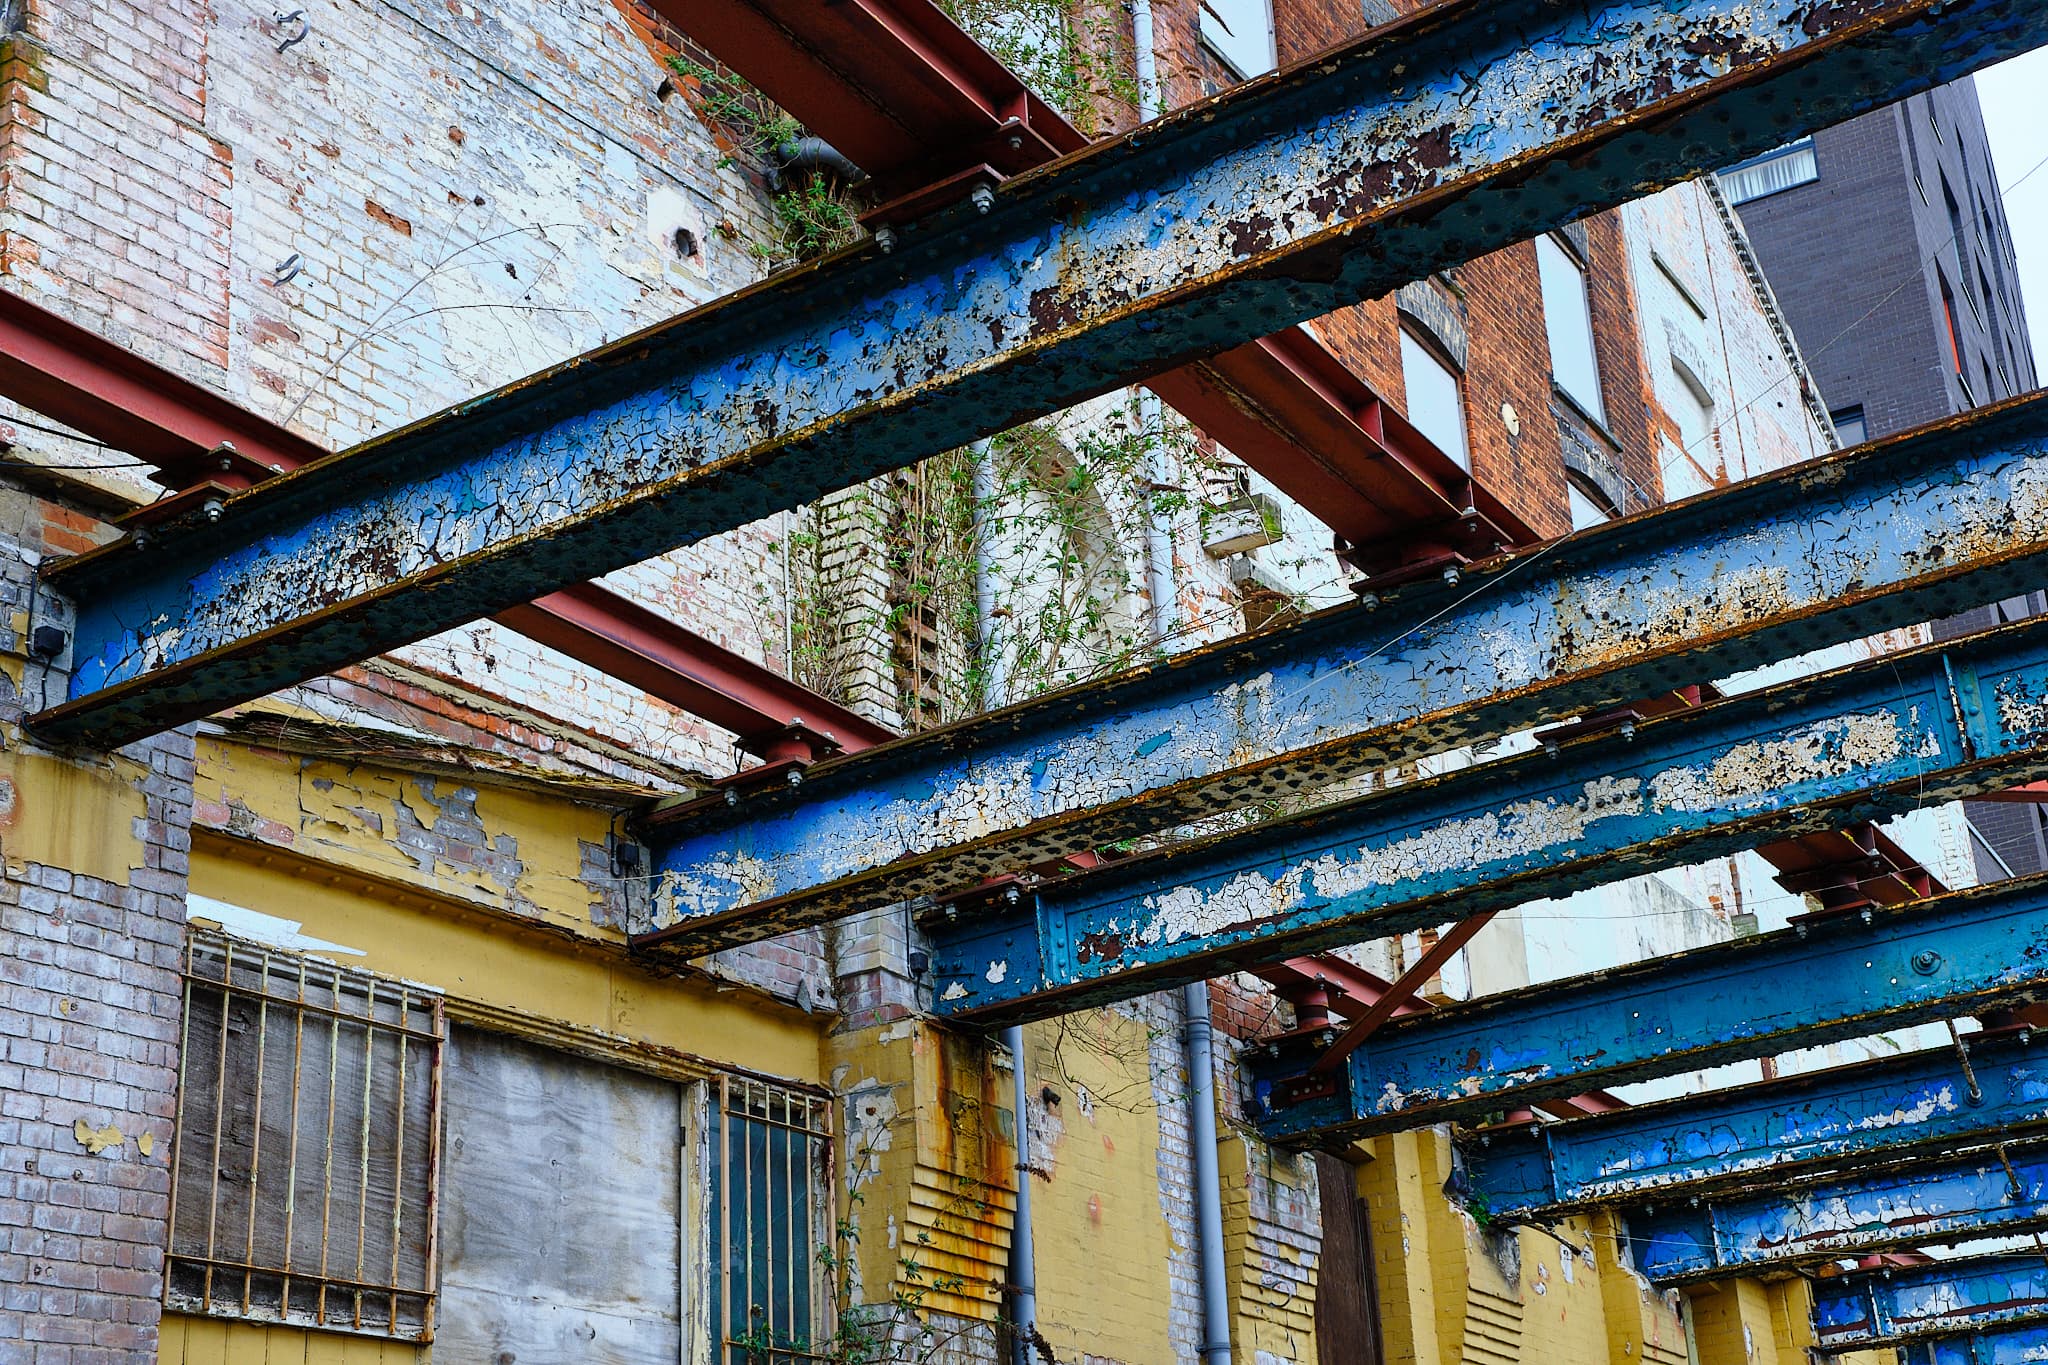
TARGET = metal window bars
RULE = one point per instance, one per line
(308, 1143)
(771, 1208)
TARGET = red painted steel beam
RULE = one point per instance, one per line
(67, 372)
(2030, 793)
(599, 627)
(1355, 993)
(1402, 991)
(894, 84)
(899, 88)
(107, 392)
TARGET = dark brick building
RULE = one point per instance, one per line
(1886, 242)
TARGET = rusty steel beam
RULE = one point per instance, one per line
(1872, 1112)
(1964, 953)
(1869, 741)
(1897, 1305)
(1891, 533)
(1992, 1192)
(196, 438)
(894, 84)
(774, 717)
(1473, 125)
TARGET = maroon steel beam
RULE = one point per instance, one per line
(599, 627)
(110, 394)
(894, 84)
(1401, 992)
(69, 373)
(899, 88)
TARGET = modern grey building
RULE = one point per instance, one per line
(1886, 244)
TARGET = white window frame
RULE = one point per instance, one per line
(1568, 323)
(1419, 360)
(1239, 33)
(1785, 168)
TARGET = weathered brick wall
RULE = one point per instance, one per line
(412, 204)
(89, 1010)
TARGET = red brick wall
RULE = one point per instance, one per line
(1509, 361)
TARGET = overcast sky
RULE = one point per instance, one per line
(2015, 97)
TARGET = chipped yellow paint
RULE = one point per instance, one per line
(1272, 1286)
(96, 1140)
(1102, 1242)
(521, 854)
(75, 814)
(484, 958)
(1451, 1291)
(184, 1340)
(927, 1148)
(145, 1143)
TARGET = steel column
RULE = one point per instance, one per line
(1477, 124)
(1955, 955)
(1881, 536)
(1987, 1193)
(1864, 742)
(1897, 1304)
(1849, 1115)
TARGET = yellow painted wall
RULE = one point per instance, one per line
(1101, 1237)
(482, 958)
(1453, 1293)
(186, 1340)
(74, 813)
(349, 815)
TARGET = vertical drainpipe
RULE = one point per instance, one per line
(995, 686)
(1199, 1038)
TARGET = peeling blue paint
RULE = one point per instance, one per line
(1898, 1304)
(1870, 740)
(2026, 1345)
(1824, 552)
(1954, 1199)
(1864, 1113)
(1227, 221)
(1908, 964)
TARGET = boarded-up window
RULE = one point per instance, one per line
(1347, 1293)
(770, 1200)
(307, 1126)
(563, 1239)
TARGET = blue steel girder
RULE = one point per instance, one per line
(1917, 527)
(1962, 1197)
(1894, 1304)
(1473, 125)
(1938, 959)
(2019, 1345)
(1860, 743)
(1872, 1111)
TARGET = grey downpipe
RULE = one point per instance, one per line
(1208, 1185)
(1023, 1276)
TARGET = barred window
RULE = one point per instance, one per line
(307, 1143)
(770, 1218)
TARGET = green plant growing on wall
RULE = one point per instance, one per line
(814, 209)
(1075, 56)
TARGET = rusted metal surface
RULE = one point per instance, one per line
(1987, 1193)
(1476, 123)
(889, 79)
(1863, 742)
(2025, 1344)
(110, 394)
(1898, 1304)
(1880, 536)
(1752, 1134)
(1939, 959)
